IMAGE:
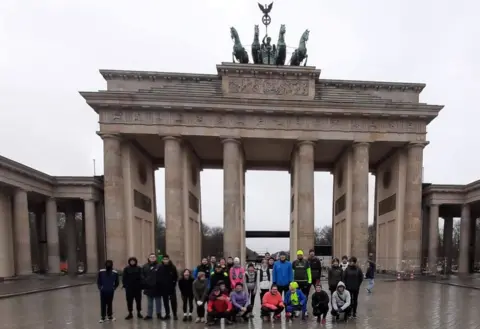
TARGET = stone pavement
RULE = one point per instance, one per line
(471, 281)
(35, 284)
(412, 305)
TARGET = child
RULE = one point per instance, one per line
(272, 303)
(264, 279)
(219, 307)
(295, 301)
(223, 289)
(200, 292)
(185, 284)
(320, 302)
(240, 302)
(107, 283)
(251, 283)
(341, 302)
(334, 276)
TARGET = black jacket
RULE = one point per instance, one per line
(335, 274)
(167, 278)
(315, 268)
(132, 278)
(205, 268)
(150, 286)
(352, 277)
(107, 280)
(216, 277)
(371, 270)
(320, 299)
(186, 286)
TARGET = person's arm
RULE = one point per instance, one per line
(175, 274)
(195, 292)
(124, 277)
(309, 273)
(286, 298)
(360, 277)
(290, 279)
(210, 306)
(195, 272)
(117, 282)
(348, 300)
(334, 301)
(99, 280)
(248, 299)
(233, 298)
(229, 305)
(230, 276)
(274, 274)
(302, 299)
(314, 301)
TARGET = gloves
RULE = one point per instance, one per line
(199, 303)
(340, 310)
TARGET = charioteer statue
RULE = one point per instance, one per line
(267, 53)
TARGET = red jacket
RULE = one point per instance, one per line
(219, 305)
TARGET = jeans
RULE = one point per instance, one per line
(158, 305)
(106, 300)
(371, 283)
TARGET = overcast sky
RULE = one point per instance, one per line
(51, 49)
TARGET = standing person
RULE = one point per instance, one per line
(107, 283)
(219, 307)
(152, 287)
(251, 283)
(266, 256)
(241, 302)
(353, 277)
(237, 274)
(213, 264)
(230, 263)
(200, 292)
(264, 279)
(320, 303)
(370, 275)
(216, 277)
(344, 263)
(282, 273)
(272, 303)
(341, 302)
(167, 276)
(295, 301)
(203, 267)
(271, 262)
(223, 264)
(334, 276)
(315, 267)
(185, 284)
(302, 273)
(132, 280)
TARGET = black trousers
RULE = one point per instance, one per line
(354, 296)
(282, 289)
(262, 293)
(346, 312)
(134, 295)
(187, 301)
(170, 300)
(265, 311)
(201, 309)
(106, 301)
(305, 288)
(248, 311)
(321, 310)
(214, 315)
(252, 297)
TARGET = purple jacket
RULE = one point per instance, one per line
(240, 299)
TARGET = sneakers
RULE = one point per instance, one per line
(175, 317)
(148, 317)
(324, 321)
(102, 320)
(197, 320)
(185, 318)
(190, 318)
(354, 316)
(228, 322)
(139, 315)
(129, 316)
(167, 317)
(266, 318)
(278, 316)
(111, 318)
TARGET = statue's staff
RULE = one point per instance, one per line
(266, 19)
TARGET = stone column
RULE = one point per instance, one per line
(23, 256)
(7, 264)
(433, 238)
(447, 242)
(306, 196)
(71, 228)
(90, 221)
(115, 226)
(174, 223)
(360, 201)
(53, 252)
(463, 261)
(412, 235)
(232, 203)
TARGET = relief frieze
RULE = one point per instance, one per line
(262, 121)
(278, 87)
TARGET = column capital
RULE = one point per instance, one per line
(231, 140)
(306, 142)
(171, 138)
(360, 144)
(417, 145)
(105, 135)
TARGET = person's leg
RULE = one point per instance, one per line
(354, 296)
(248, 311)
(184, 306)
(200, 311)
(190, 305)
(110, 305)
(149, 307)
(277, 312)
(262, 293)
(173, 300)
(166, 306)
(211, 316)
(371, 283)
(129, 295)
(348, 311)
(103, 306)
(138, 302)
(158, 306)
(252, 297)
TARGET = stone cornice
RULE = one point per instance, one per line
(25, 170)
(136, 100)
(267, 70)
(375, 85)
(95, 181)
(154, 76)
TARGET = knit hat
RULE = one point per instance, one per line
(299, 252)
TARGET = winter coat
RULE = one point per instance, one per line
(167, 277)
(216, 277)
(352, 277)
(320, 300)
(371, 270)
(240, 299)
(334, 276)
(150, 286)
(341, 300)
(107, 281)
(272, 301)
(302, 299)
(202, 268)
(264, 277)
(200, 289)
(219, 305)
(186, 286)
(315, 268)
(237, 275)
(282, 273)
(132, 278)
(301, 271)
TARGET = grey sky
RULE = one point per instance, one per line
(51, 49)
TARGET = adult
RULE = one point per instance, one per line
(271, 262)
(167, 277)
(236, 274)
(203, 267)
(152, 287)
(282, 273)
(264, 278)
(219, 307)
(320, 303)
(302, 273)
(272, 304)
(353, 277)
(344, 263)
(213, 264)
(241, 302)
(251, 283)
(335, 274)
(230, 263)
(132, 280)
(370, 275)
(341, 302)
(216, 277)
(315, 267)
(107, 283)
(185, 284)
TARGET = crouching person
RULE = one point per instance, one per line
(341, 302)
(240, 302)
(107, 283)
(295, 302)
(272, 304)
(219, 307)
(320, 302)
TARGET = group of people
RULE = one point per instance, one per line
(227, 290)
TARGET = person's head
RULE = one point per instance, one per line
(345, 259)
(222, 261)
(222, 285)
(204, 261)
(293, 286)
(335, 262)
(269, 39)
(166, 260)
(274, 289)
(213, 259)
(267, 255)
(216, 291)
(201, 275)
(311, 253)
(283, 257)
(132, 261)
(318, 288)
(229, 260)
(236, 261)
(152, 258)
(341, 287)
(264, 263)
(218, 268)
(187, 274)
(299, 254)
(271, 261)
(352, 261)
(109, 264)
(238, 287)
(251, 268)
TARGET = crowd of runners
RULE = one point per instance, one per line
(227, 290)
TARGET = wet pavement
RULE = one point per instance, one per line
(413, 305)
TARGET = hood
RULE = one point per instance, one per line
(341, 284)
(134, 259)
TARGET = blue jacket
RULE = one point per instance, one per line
(107, 281)
(282, 273)
(302, 299)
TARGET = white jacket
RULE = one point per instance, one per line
(341, 301)
(264, 283)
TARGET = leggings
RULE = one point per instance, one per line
(187, 301)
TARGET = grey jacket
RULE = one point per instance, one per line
(341, 301)
(200, 289)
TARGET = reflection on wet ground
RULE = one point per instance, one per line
(409, 305)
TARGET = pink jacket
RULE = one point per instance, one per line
(237, 274)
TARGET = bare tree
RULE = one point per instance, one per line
(324, 236)
(372, 239)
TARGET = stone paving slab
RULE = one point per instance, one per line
(37, 284)
(393, 305)
(470, 282)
